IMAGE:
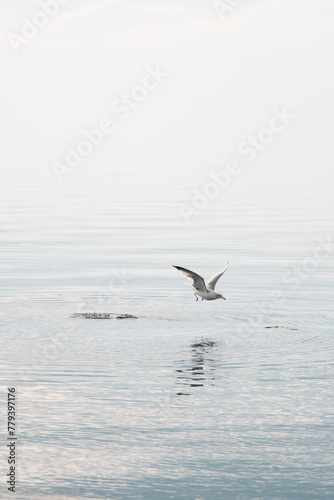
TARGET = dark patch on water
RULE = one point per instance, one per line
(103, 316)
(286, 327)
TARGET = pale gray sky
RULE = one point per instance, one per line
(225, 78)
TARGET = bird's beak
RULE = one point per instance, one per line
(223, 297)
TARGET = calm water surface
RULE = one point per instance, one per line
(192, 400)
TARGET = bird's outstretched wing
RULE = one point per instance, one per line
(197, 280)
(212, 281)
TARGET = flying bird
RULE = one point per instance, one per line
(204, 290)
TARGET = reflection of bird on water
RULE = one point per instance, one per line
(196, 374)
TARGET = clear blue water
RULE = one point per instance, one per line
(192, 400)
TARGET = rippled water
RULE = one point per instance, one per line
(194, 400)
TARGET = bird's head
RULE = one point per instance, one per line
(221, 297)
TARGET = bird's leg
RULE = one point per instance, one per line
(196, 296)
(202, 299)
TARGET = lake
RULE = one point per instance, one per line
(190, 400)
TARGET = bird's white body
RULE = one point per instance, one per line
(208, 295)
(204, 290)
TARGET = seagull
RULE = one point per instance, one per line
(204, 290)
